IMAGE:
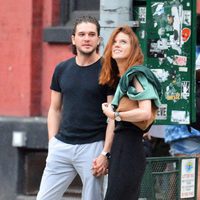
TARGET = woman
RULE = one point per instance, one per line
(122, 61)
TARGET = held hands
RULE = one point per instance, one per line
(108, 110)
(100, 166)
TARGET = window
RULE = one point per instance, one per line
(30, 172)
(198, 29)
(68, 11)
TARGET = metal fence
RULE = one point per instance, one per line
(170, 178)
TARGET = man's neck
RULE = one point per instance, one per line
(86, 60)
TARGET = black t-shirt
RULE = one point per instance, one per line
(82, 118)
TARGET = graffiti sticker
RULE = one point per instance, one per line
(155, 49)
(181, 117)
(187, 17)
(162, 112)
(183, 69)
(186, 32)
(180, 60)
(188, 167)
(185, 90)
(161, 74)
(142, 15)
(171, 93)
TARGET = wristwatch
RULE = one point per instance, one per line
(106, 154)
(117, 116)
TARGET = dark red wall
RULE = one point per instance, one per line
(26, 62)
(198, 7)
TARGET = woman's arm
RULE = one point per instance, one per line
(142, 113)
(100, 164)
(109, 131)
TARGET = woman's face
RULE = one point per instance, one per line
(121, 47)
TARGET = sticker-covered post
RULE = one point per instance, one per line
(171, 42)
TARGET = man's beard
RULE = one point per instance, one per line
(87, 54)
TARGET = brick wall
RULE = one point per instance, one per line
(27, 63)
(198, 6)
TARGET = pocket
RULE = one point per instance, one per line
(51, 140)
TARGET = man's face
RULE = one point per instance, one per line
(86, 38)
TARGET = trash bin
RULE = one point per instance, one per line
(170, 178)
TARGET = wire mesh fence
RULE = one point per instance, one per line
(170, 178)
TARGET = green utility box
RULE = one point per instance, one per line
(167, 34)
(170, 178)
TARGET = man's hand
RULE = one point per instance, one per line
(100, 166)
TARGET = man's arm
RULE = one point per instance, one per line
(100, 164)
(54, 114)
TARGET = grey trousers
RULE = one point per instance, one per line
(63, 163)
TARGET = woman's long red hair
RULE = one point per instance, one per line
(110, 73)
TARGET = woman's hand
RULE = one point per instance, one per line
(108, 110)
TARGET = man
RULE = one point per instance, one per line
(76, 124)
